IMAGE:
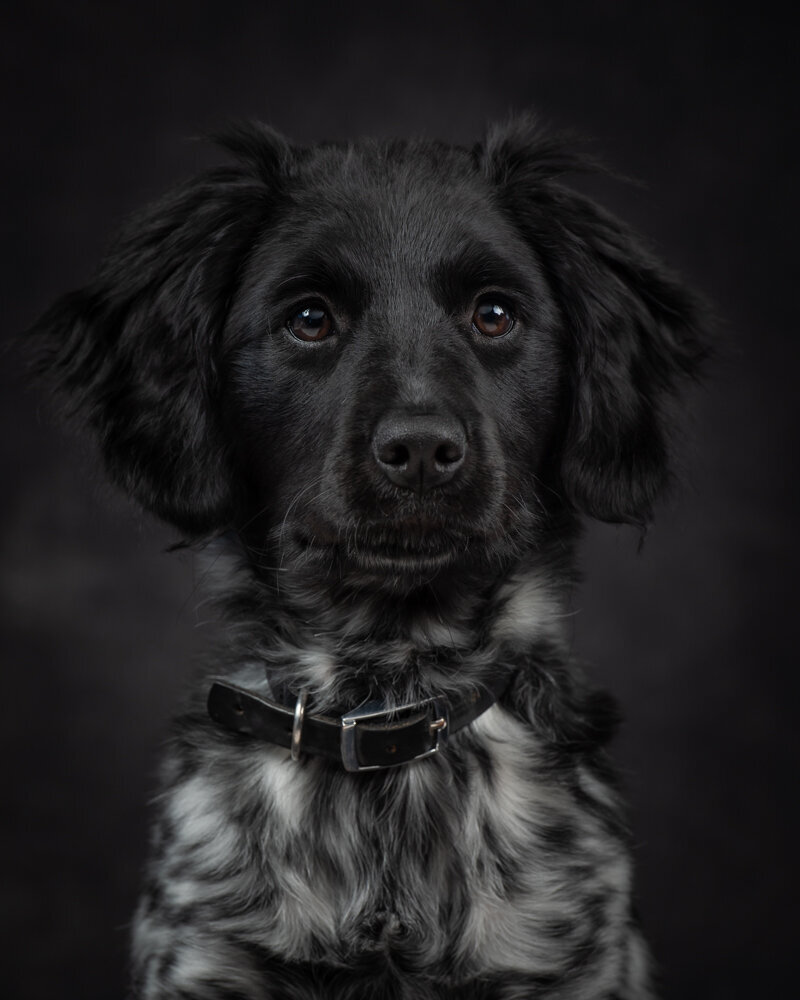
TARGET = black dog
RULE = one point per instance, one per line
(387, 379)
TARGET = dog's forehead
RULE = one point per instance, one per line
(396, 212)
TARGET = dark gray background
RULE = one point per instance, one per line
(693, 634)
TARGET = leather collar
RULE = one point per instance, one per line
(366, 739)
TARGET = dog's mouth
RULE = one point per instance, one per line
(405, 549)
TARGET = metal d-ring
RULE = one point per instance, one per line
(297, 725)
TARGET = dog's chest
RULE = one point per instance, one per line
(484, 857)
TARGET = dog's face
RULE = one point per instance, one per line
(393, 370)
(379, 362)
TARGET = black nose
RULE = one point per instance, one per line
(420, 451)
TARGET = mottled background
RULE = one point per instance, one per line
(693, 634)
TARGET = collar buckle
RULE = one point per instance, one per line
(372, 733)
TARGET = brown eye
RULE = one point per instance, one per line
(311, 323)
(492, 319)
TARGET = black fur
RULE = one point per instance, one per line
(499, 867)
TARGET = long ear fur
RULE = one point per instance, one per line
(633, 329)
(133, 352)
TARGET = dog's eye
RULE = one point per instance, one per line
(311, 323)
(492, 319)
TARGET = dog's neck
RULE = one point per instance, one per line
(346, 644)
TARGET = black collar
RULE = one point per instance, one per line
(366, 739)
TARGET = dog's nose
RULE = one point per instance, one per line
(419, 451)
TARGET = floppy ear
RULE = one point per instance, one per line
(133, 352)
(633, 331)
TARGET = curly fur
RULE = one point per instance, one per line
(499, 867)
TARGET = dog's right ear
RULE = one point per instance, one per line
(133, 353)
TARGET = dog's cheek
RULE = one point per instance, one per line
(283, 418)
(529, 403)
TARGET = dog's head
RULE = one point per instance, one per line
(381, 359)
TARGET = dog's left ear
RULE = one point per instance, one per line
(634, 333)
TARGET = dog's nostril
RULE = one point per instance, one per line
(395, 454)
(448, 453)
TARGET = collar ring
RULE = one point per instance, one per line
(297, 724)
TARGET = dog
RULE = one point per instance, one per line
(381, 385)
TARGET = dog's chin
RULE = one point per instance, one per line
(412, 564)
